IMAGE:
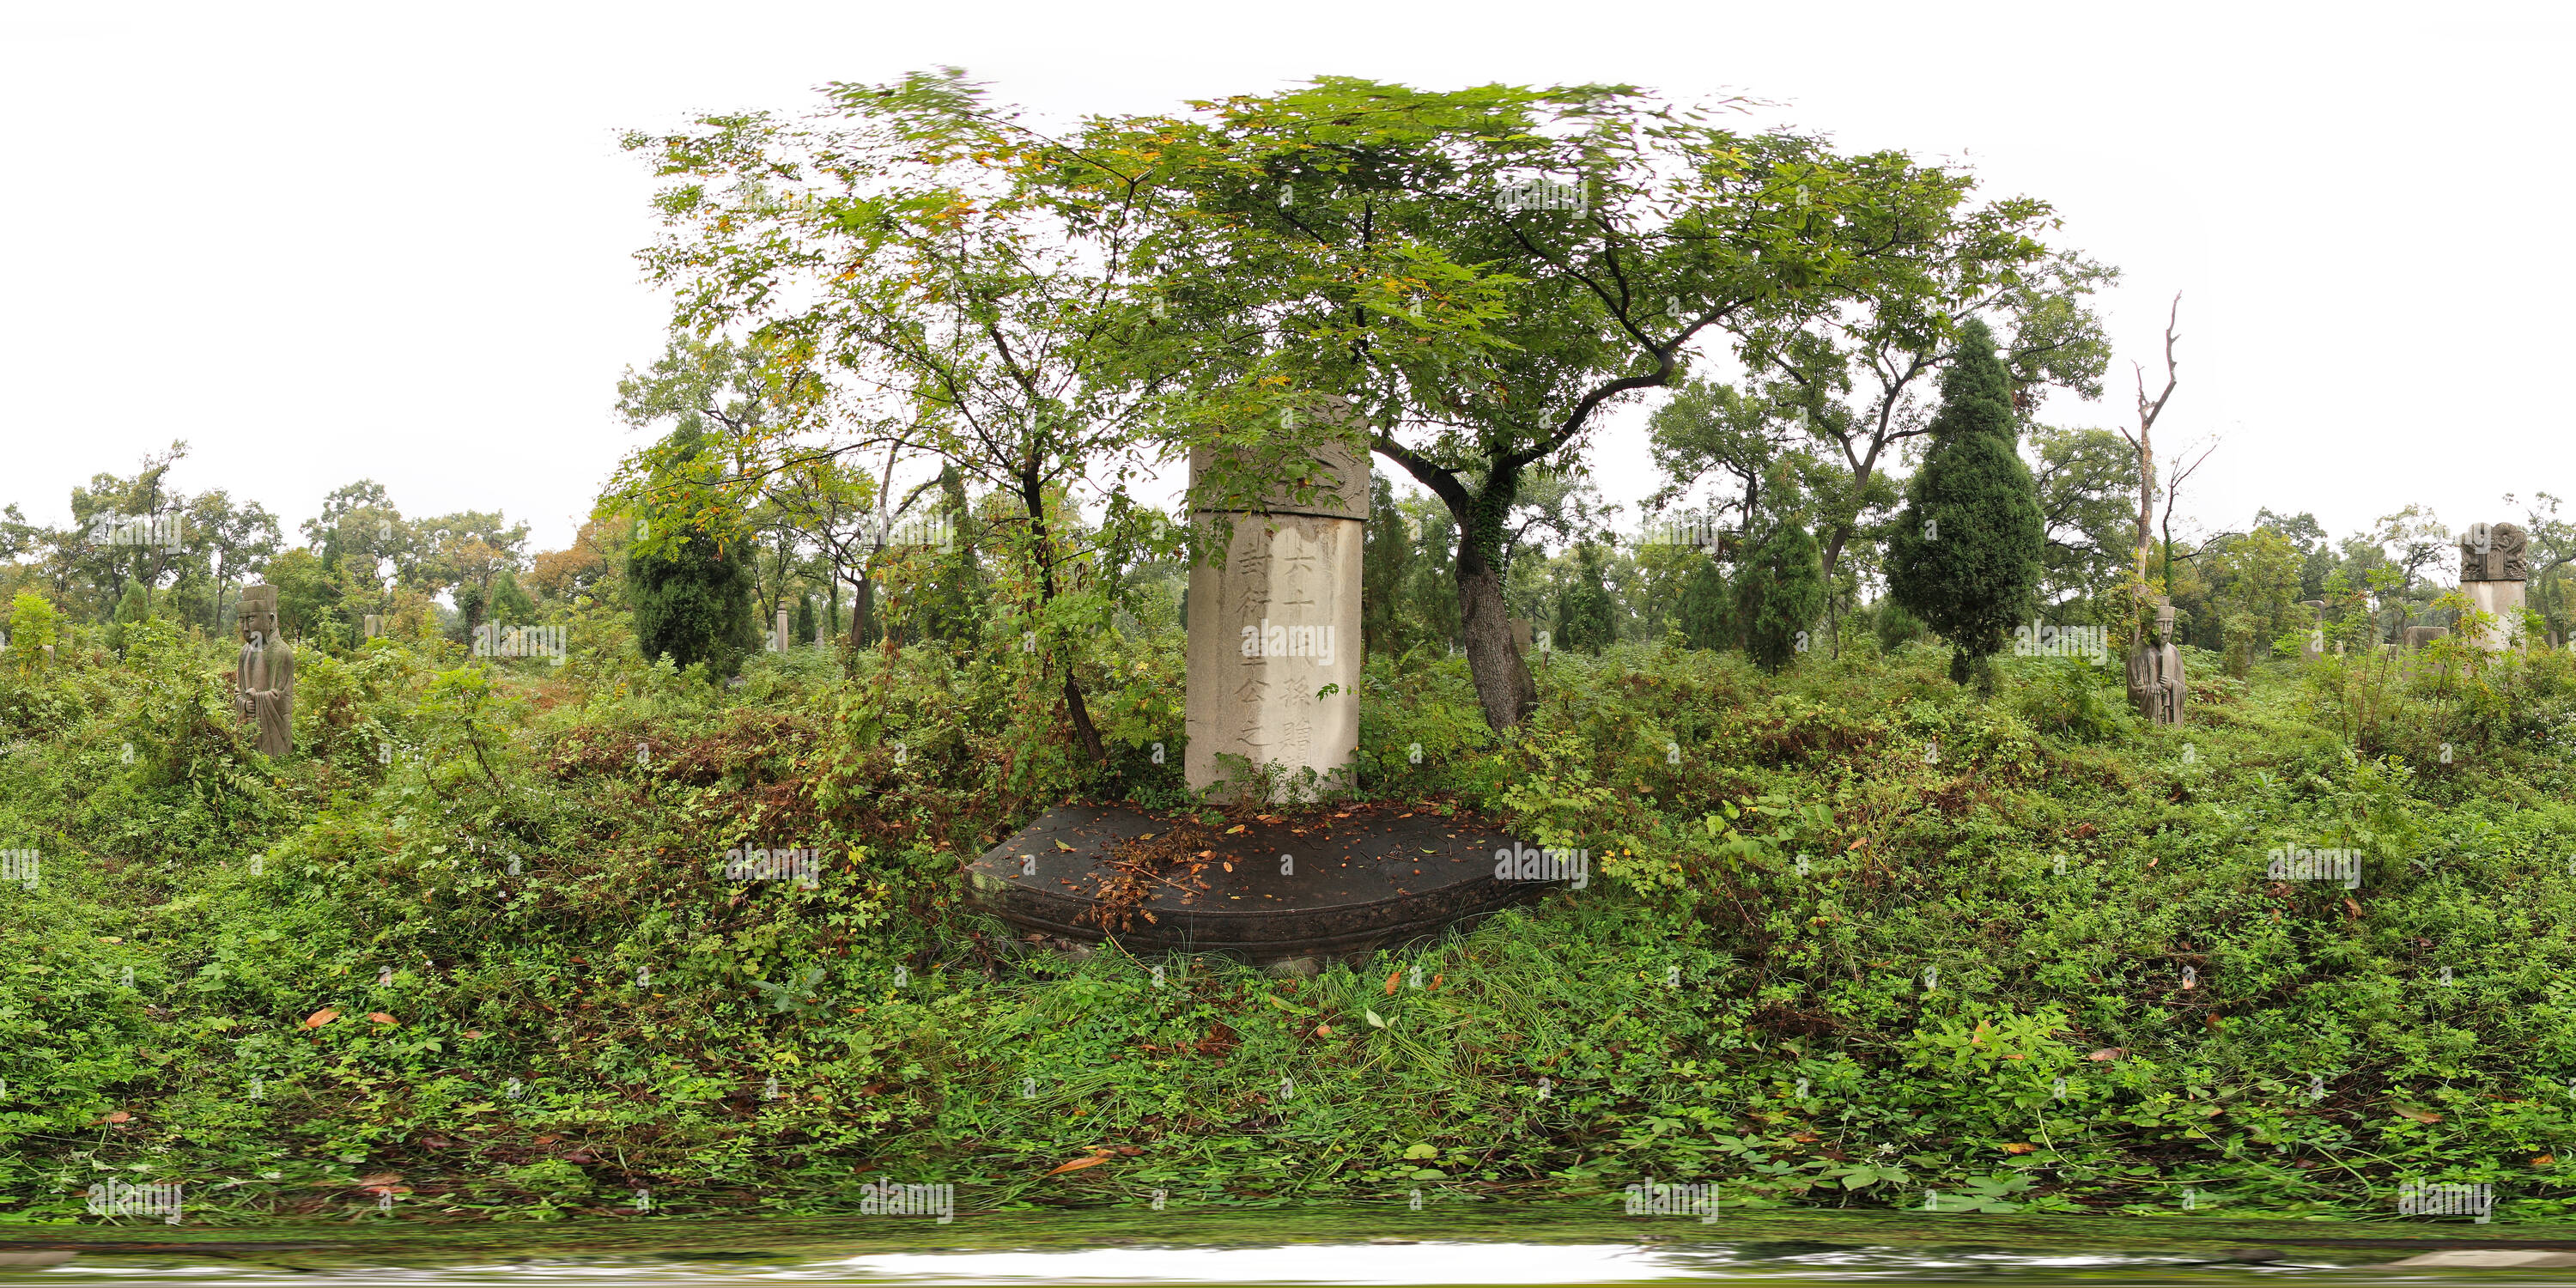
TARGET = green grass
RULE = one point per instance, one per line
(1831, 957)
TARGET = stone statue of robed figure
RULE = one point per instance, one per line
(264, 679)
(2156, 685)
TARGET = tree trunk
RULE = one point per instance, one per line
(863, 603)
(2146, 500)
(1033, 495)
(1503, 684)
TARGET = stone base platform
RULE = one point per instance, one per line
(1365, 876)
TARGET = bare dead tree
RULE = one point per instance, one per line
(2144, 440)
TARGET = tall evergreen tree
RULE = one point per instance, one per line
(1706, 612)
(693, 602)
(1586, 616)
(1969, 548)
(692, 580)
(1388, 555)
(1780, 594)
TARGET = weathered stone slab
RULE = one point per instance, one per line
(1359, 878)
(1274, 638)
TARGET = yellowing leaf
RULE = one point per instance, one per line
(321, 1017)
(1079, 1164)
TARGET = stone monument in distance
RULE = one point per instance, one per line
(2156, 684)
(2493, 569)
(264, 679)
(1274, 633)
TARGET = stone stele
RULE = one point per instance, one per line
(2493, 570)
(1272, 627)
(264, 679)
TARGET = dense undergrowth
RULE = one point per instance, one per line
(1865, 940)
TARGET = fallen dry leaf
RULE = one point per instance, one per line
(473, 1033)
(118, 1117)
(1323, 1030)
(2108, 1054)
(321, 1017)
(2544, 1160)
(2352, 907)
(1234, 829)
(2425, 1116)
(1081, 1163)
(381, 1178)
(379, 1017)
(2019, 1147)
(1391, 977)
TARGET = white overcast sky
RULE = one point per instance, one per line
(338, 241)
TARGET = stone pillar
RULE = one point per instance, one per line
(779, 641)
(2493, 572)
(2313, 646)
(1272, 627)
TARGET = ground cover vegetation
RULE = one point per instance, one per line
(1855, 926)
(1887, 912)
